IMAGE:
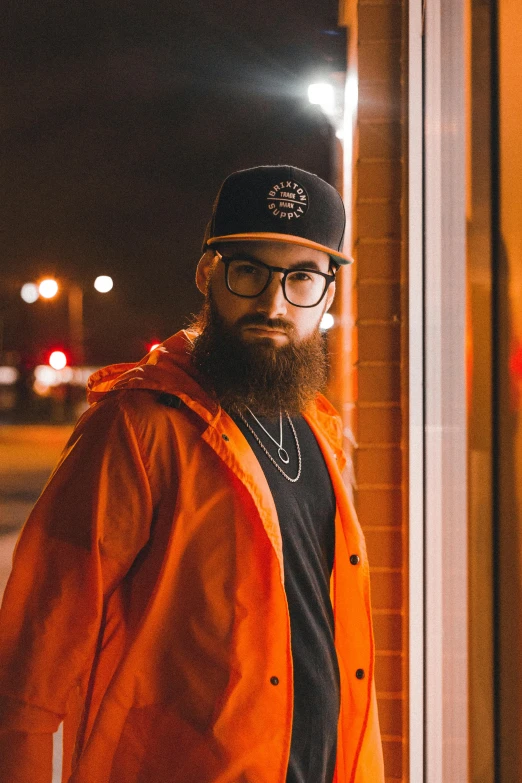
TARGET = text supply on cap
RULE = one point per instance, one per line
(280, 204)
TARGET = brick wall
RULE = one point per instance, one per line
(379, 373)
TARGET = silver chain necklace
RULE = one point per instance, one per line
(282, 453)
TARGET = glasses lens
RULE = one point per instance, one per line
(246, 278)
(305, 288)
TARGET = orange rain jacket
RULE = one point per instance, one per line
(146, 607)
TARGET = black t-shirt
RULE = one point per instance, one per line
(306, 511)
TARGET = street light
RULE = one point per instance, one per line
(337, 98)
(103, 284)
(48, 288)
(322, 94)
(58, 360)
(29, 293)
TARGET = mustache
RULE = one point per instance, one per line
(258, 319)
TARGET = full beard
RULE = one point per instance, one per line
(259, 375)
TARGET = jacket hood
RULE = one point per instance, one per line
(168, 369)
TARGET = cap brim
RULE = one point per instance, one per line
(288, 239)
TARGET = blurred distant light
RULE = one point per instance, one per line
(40, 388)
(46, 377)
(29, 292)
(322, 94)
(48, 288)
(58, 360)
(103, 283)
(8, 375)
(80, 375)
(327, 321)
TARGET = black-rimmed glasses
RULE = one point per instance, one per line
(249, 278)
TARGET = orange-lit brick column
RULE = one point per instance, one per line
(377, 41)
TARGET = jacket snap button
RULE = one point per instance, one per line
(225, 437)
(360, 674)
(274, 680)
(354, 559)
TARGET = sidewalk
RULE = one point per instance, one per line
(28, 453)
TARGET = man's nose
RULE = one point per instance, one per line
(272, 302)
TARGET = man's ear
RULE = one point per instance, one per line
(330, 296)
(204, 268)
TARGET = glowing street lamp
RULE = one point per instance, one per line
(337, 98)
(48, 288)
(29, 293)
(322, 94)
(103, 284)
(58, 360)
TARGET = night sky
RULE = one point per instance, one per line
(119, 122)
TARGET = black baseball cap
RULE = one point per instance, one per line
(279, 204)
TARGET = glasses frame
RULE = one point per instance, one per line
(329, 278)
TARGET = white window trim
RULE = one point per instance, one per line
(445, 433)
(416, 393)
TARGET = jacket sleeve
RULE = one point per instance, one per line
(80, 540)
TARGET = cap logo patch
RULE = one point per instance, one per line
(287, 200)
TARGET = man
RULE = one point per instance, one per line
(190, 594)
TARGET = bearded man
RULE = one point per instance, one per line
(190, 593)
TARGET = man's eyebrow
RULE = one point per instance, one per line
(305, 264)
(312, 265)
(242, 256)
